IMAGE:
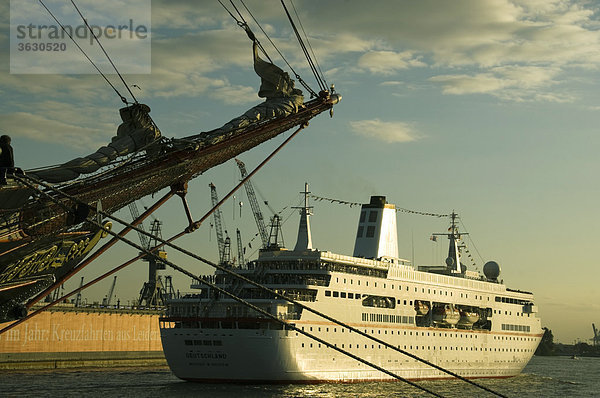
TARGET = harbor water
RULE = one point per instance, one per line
(543, 377)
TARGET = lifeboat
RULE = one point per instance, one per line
(422, 308)
(445, 315)
(467, 318)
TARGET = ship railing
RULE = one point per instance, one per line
(409, 274)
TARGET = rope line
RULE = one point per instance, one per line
(398, 209)
(103, 50)
(244, 25)
(304, 84)
(311, 64)
(84, 53)
(322, 75)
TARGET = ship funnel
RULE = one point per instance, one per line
(377, 235)
(304, 241)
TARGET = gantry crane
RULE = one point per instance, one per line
(260, 221)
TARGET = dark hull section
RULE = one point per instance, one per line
(35, 266)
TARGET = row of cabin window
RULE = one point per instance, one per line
(329, 293)
(514, 338)
(510, 300)
(343, 295)
(429, 348)
(510, 313)
(516, 328)
(204, 342)
(465, 295)
(389, 318)
(416, 333)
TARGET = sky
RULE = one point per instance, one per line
(487, 107)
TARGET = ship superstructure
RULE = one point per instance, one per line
(463, 321)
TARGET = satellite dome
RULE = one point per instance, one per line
(450, 262)
(491, 269)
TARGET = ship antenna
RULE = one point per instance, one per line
(304, 241)
(84, 53)
(104, 51)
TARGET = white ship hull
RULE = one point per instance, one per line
(283, 356)
(228, 350)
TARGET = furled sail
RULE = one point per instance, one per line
(276, 86)
(138, 132)
(135, 133)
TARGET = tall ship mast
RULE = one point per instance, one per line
(307, 315)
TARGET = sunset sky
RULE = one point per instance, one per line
(486, 107)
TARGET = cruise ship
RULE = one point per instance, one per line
(458, 319)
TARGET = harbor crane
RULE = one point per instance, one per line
(152, 293)
(258, 217)
(135, 214)
(108, 298)
(224, 245)
(78, 297)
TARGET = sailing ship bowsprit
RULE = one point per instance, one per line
(45, 234)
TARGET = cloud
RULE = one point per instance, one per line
(60, 122)
(390, 132)
(458, 33)
(43, 129)
(388, 62)
(514, 83)
(472, 38)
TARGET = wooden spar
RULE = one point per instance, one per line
(101, 250)
(147, 176)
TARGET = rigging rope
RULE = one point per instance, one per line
(311, 64)
(84, 53)
(304, 84)
(472, 242)
(398, 209)
(103, 50)
(322, 75)
(246, 280)
(244, 25)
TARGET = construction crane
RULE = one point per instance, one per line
(135, 214)
(260, 221)
(224, 245)
(241, 260)
(596, 338)
(108, 298)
